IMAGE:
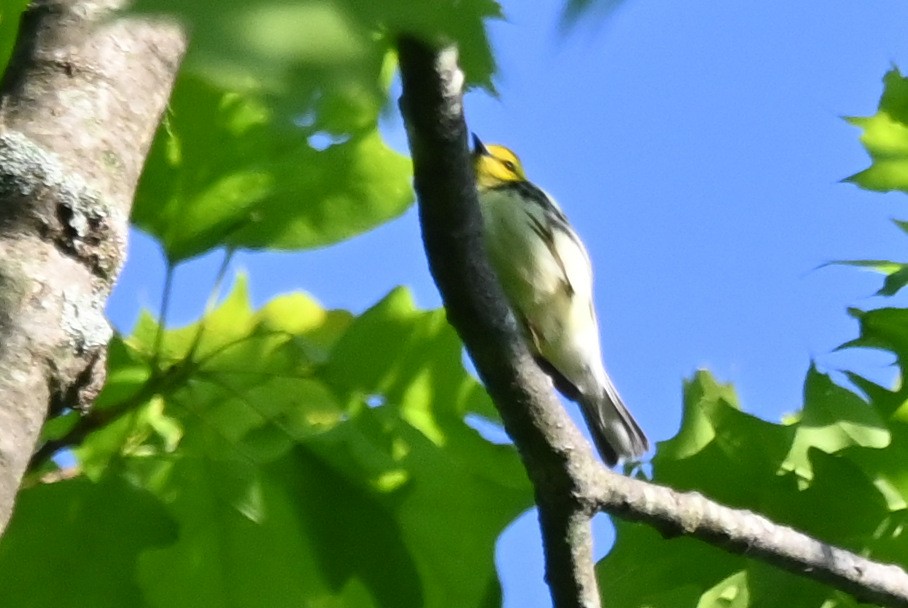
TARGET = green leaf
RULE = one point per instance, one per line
(310, 458)
(896, 273)
(76, 542)
(311, 55)
(793, 473)
(60, 425)
(848, 520)
(885, 136)
(239, 369)
(833, 418)
(287, 533)
(427, 372)
(766, 584)
(10, 14)
(718, 445)
(292, 331)
(326, 497)
(644, 569)
(232, 351)
(271, 139)
(883, 329)
(128, 373)
(226, 171)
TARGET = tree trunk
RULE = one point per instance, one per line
(79, 105)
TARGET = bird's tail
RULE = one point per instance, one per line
(615, 432)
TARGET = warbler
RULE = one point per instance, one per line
(546, 274)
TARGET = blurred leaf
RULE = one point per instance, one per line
(733, 592)
(76, 542)
(128, 372)
(224, 170)
(60, 425)
(272, 136)
(305, 457)
(10, 14)
(315, 55)
(885, 136)
(575, 10)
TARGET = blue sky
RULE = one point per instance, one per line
(698, 148)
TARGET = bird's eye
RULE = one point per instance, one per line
(510, 166)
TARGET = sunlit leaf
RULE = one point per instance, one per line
(304, 457)
(226, 171)
(832, 419)
(794, 473)
(271, 139)
(885, 136)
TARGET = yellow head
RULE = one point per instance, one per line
(495, 165)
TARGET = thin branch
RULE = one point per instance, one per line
(82, 429)
(98, 418)
(166, 296)
(212, 299)
(570, 484)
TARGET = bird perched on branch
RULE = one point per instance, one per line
(546, 274)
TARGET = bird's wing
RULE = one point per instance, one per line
(550, 224)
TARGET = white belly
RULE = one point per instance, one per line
(562, 318)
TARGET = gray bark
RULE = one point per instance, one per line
(79, 105)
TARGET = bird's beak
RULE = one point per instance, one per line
(479, 148)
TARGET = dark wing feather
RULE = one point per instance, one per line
(553, 220)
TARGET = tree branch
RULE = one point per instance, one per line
(79, 104)
(746, 533)
(451, 225)
(570, 484)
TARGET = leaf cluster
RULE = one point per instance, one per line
(284, 456)
(835, 469)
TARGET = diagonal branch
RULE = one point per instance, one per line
(451, 224)
(747, 533)
(570, 484)
(79, 105)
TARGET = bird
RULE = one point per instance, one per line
(547, 277)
